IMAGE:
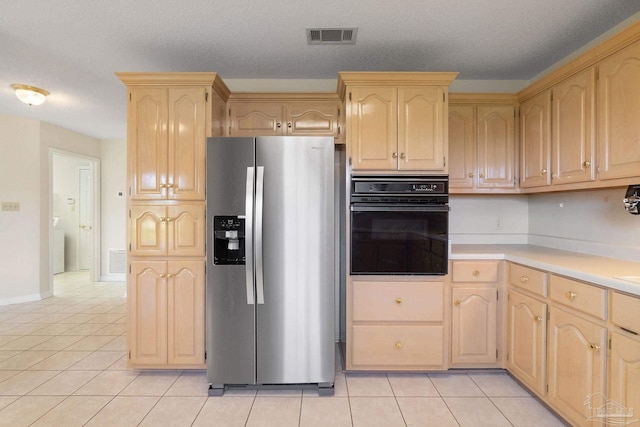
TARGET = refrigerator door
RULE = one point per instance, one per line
(295, 259)
(230, 292)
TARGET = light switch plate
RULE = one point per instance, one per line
(10, 206)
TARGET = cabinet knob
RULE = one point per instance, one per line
(278, 125)
(481, 175)
(539, 319)
(399, 300)
(571, 295)
(586, 164)
(471, 174)
(402, 155)
(163, 219)
(394, 155)
(398, 345)
(289, 125)
(456, 302)
(543, 172)
(524, 279)
(169, 185)
(594, 347)
(163, 185)
(475, 273)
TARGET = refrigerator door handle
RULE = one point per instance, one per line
(258, 244)
(248, 224)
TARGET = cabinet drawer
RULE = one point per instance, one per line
(625, 311)
(528, 278)
(580, 296)
(391, 301)
(475, 271)
(397, 345)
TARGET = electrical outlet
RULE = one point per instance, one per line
(10, 206)
(499, 223)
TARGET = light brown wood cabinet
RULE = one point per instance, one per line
(482, 143)
(158, 230)
(272, 114)
(474, 313)
(396, 121)
(535, 140)
(395, 325)
(618, 109)
(166, 314)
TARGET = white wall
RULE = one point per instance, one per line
(592, 222)
(488, 219)
(113, 180)
(20, 232)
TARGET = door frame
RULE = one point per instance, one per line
(94, 166)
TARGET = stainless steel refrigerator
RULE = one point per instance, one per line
(270, 263)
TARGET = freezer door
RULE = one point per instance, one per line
(230, 295)
(295, 260)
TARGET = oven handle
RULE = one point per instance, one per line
(399, 208)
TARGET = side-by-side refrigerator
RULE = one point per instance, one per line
(270, 262)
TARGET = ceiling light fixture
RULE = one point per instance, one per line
(30, 94)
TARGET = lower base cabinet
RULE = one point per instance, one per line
(166, 314)
(577, 363)
(473, 325)
(624, 377)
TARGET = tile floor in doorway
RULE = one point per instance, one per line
(62, 363)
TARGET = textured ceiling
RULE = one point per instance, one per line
(72, 47)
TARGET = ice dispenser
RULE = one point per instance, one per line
(229, 243)
(632, 199)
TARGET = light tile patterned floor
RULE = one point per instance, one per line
(62, 363)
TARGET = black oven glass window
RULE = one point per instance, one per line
(399, 242)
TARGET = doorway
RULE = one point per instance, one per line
(74, 207)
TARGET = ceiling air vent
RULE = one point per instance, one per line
(331, 35)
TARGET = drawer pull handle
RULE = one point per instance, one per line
(475, 273)
(457, 302)
(571, 295)
(398, 345)
(595, 347)
(539, 319)
(524, 279)
(399, 300)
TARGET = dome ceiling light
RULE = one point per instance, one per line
(30, 95)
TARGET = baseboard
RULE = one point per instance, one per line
(25, 298)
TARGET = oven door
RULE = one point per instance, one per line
(399, 239)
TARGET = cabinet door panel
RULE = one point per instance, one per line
(421, 128)
(576, 365)
(535, 139)
(147, 306)
(573, 132)
(186, 321)
(526, 341)
(186, 230)
(618, 112)
(496, 147)
(462, 146)
(187, 142)
(317, 119)
(148, 230)
(147, 146)
(473, 325)
(624, 373)
(374, 128)
(255, 119)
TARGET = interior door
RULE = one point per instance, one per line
(85, 220)
(295, 319)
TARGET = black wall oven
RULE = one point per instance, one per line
(399, 225)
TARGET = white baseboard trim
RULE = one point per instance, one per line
(25, 298)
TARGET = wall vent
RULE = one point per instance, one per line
(331, 35)
(117, 261)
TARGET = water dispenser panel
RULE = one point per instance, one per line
(229, 240)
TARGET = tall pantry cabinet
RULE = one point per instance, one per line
(169, 117)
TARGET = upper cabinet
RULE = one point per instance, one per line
(618, 113)
(284, 114)
(534, 141)
(172, 114)
(482, 143)
(396, 121)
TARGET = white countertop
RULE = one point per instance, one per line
(589, 268)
